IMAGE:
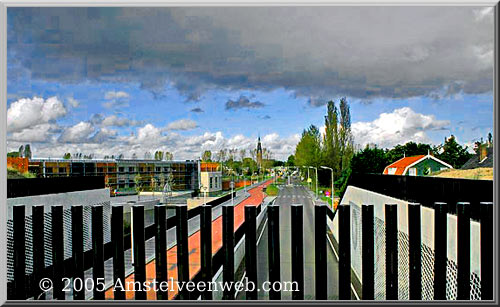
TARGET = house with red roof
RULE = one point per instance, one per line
(420, 165)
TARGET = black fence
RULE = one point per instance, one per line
(43, 186)
(225, 256)
(427, 190)
(83, 260)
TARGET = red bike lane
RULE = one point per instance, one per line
(256, 197)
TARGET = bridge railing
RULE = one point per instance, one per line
(225, 256)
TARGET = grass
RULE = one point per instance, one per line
(15, 174)
(482, 173)
(272, 190)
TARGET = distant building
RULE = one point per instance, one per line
(483, 157)
(259, 155)
(120, 173)
(420, 165)
(210, 177)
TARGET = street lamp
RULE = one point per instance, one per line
(316, 169)
(331, 169)
(307, 176)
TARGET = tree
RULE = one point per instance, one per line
(290, 161)
(134, 156)
(21, 151)
(168, 156)
(206, 156)
(159, 155)
(243, 153)
(409, 149)
(120, 156)
(346, 145)
(13, 154)
(27, 151)
(67, 156)
(369, 161)
(138, 185)
(453, 153)
(490, 138)
(331, 143)
(147, 155)
(308, 150)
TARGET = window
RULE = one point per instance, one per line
(158, 169)
(150, 169)
(216, 182)
(211, 182)
(100, 170)
(412, 171)
(165, 169)
(62, 170)
(48, 170)
(130, 169)
(141, 169)
(121, 169)
(392, 170)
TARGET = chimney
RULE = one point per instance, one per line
(483, 152)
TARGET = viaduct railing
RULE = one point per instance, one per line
(24, 287)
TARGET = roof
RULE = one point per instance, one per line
(401, 164)
(475, 163)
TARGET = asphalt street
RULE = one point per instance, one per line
(295, 194)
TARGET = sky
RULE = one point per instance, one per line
(110, 81)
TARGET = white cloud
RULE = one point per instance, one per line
(398, 127)
(78, 133)
(29, 112)
(103, 135)
(73, 102)
(116, 121)
(38, 133)
(116, 95)
(182, 124)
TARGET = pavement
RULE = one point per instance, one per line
(253, 196)
(295, 194)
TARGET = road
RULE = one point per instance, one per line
(295, 194)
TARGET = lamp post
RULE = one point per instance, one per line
(316, 169)
(331, 169)
(307, 176)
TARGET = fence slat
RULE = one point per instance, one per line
(139, 251)
(415, 251)
(320, 252)
(118, 253)
(273, 247)
(97, 250)
(391, 251)
(344, 251)
(486, 250)
(463, 251)
(77, 250)
(57, 252)
(38, 225)
(228, 245)
(298, 250)
(206, 247)
(367, 254)
(182, 248)
(440, 246)
(18, 216)
(251, 249)
(160, 214)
